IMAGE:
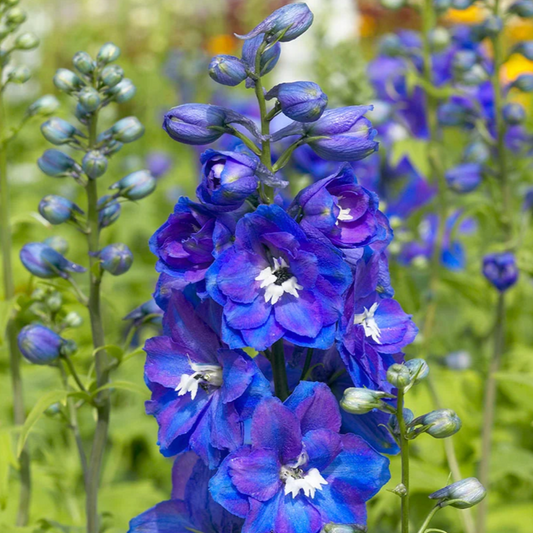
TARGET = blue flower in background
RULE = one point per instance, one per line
(501, 270)
(299, 473)
(191, 508)
(201, 391)
(276, 282)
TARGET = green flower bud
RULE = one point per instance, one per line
(59, 244)
(4, 31)
(89, 99)
(343, 528)
(393, 4)
(462, 494)
(15, 16)
(38, 294)
(418, 368)
(11, 3)
(123, 91)
(399, 376)
(108, 53)
(65, 80)
(440, 424)
(73, 320)
(19, 75)
(54, 301)
(44, 106)
(361, 401)
(26, 41)
(111, 75)
(127, 130)
(440, 38)
(83, 62)
(94, 164)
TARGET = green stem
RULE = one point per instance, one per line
(429, 518)
(307, 364)
(11, 331)
(73, 372)
(489, 408)
(281, 385)
(103, 406)
(404, 455)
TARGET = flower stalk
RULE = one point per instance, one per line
(404, 456)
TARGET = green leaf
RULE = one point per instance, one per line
(112, 350)
(123, 385)
(417, 152)
(523, 379)
(38, 409)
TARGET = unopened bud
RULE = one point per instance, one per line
(39, 344)
(19, 75)
(65, 80)
(83, 62)
(123, 91)
(44, 106)
(15, 16)
(94, 164)
(227, 70)
(418, 368)
(111, 75)
(54, 301)
(73, 320)
(361, 401)
(59, 244)
(59, 131)
(108, 53)
(136, 185)
(89, 99)
(399, 376)
(116, 259)
(514, 113)
(343, 528)
(108, 210)
(57, 164)
(26, 41)
(56, 209)
(440, 424)
(462, 494)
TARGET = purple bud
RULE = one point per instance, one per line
(477, 152)
(56, 209)
(349, 136)
(45, 262)
(59, 131)
(116, 259)
(514, 113)
(195, 123)
(39, 344)
(464, 178)
(57, 164)
(302, 101)
(456, 113)
(523, 83)
(501, 270)
(136, 185)
(227, 70)
(139, 314)
(108, 210)
(292, 20)
(269, 58)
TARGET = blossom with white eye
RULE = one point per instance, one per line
(277, 281)
(367, 320)
(204, 376)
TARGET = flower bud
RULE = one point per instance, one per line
(14, 16)
(391, 45)
(112, 147)
(440, 38)
(522, 8)
(441, 6)
(361, 401)
(302, 101)
(148, 309)
(111, 75)
(108, 53)
(59, 131)
(89, 99)
(26, 41)
(349, 136)
(227, 70)
(45, 262)
(291, 21)
(127, 130)
(477, 152)
(501, 270)
(59, 244)
(491, 26)
(464, 60)
(108, 211)
(513, 113)
(462, 4)
(39, 344)
(464, 178)
(455, 114)
(65, 80)
(523, 83)
(195, 123)
(57, 164)
(462, 494)
(94, 164)
(39, 294)
(525, 48)
(441, 423)
(136, 185)
(73, 320)
(54, 301)
(43, 106)
(408, 417)
(116, 259)
(19, 75)
(123, 91)
(56, 209)
(399, 376)
(418, 368)
(83, 62)
(343, 528)
(458, 360)
(269, 58)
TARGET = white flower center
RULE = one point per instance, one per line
(367, 320)
(204, 376)
(344, 215)
(277, 281)
(297, 480)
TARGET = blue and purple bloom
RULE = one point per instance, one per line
(202, 392)
(501, 270)
(299, 473)
(275, 281)
(191, 508)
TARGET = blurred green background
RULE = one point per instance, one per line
(166, 45)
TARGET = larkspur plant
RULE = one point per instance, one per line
(12, 40)
(275, 309)
(83, 157)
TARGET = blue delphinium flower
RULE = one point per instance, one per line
(465, 177)
(191, 508)
(299, 473)
(201, 391)
(501, 270)
(276, 282)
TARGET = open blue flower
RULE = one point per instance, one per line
(191, 508)
(201, 391)
(276, 282)
(299, 473)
